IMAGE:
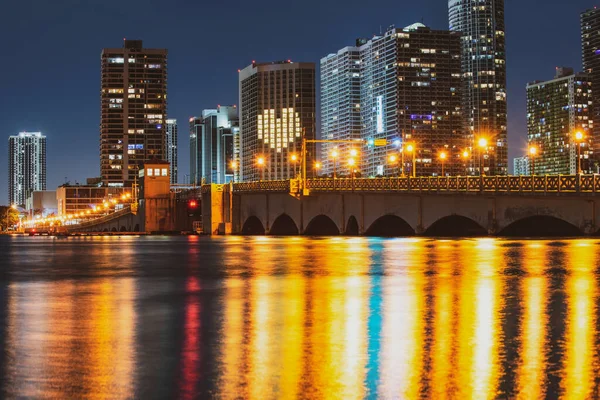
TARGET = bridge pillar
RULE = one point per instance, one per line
(492, 225)
(213, 210)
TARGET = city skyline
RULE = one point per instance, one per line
(73, 137)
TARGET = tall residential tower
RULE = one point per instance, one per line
(590, 51)
(481, 23)
(277, 110)
(26, 166)
(171, 146)
(133, 110)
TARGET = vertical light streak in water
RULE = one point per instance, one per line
(480, 300)
(263, 338)
(232, 341)
(577, 378)
(124, 339)
(402, 341)
(26, 348)
(292, 335)
(534, 286)
(444, 320)
(190, 354)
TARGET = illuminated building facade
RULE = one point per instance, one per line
(407, 91)
(133, 110)
(171, 146)
(340, 109)
(213, 139)
(590, 50)
(277, 109)
(556, 110)
(484, 77)
(26, 166)
(521, 166)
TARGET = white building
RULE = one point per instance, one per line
(521, 166)
(171, 147)
(26, 166)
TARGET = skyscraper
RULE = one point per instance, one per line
(590, 51)
(277, 110)
(26, 166)
(171, 146)
(406, 91)
(556, 110)
(212, 145)
(340, 108)
(484, 76)
(521, 166)
(133, 110)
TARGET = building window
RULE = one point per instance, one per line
(149, 171)
(164, 172)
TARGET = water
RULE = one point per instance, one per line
(262, 318)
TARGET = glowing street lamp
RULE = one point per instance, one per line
(393, 160)
(412, 149)
(532, 153)
(482, 146)
(294, 159)
(443, 159)
(578, 140)
(261, 164)
(234, 166)
(466, 155)
(317, 167)
(334, 156)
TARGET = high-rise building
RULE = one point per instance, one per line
(212, 145)
(406, 91)
(26, 166)
(556, 110)
(277, 110)
(590, 50)
(484, 77)
(133, 110)
(521, 166)
(340, 109)
(171, 146)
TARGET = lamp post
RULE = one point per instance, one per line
(532, 153)
(12, 207)
(261, 163)
(443, 158)
(393, 159)
(411, 149)
(317, 167)
(351, 164)
(233, 167)
(334, 155)
(465, 155)
(294, 159)
(482, 145)
(578, 139)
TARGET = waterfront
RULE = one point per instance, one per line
(296, 317)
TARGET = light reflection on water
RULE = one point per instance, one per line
(295, 317)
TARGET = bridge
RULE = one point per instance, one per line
(437, 206)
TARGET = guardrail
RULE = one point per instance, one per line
(101, 220)
(498, 184)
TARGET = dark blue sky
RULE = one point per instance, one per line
(50, 67)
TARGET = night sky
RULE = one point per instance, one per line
(50, 63)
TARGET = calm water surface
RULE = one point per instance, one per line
(264, 318)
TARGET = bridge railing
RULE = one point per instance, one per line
(101, 220)
(497, 184)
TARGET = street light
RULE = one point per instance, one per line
(234, 165)
(393, 159)
(578, 139)
(482, 145)
(317, 167)
(532, 153)
(334, 155)
(411, 149)
(466, 155)
(294, 159)
(351, 164)
(261, 163)
(443, 158)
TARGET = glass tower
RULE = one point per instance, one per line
(481, 23)
(171, 146)
(590, 51)
(277, 110)
(26, 166)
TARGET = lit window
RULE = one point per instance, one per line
(149, 171)
(164, 172)
(132, 60)
(156, 171)
(116, 60)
